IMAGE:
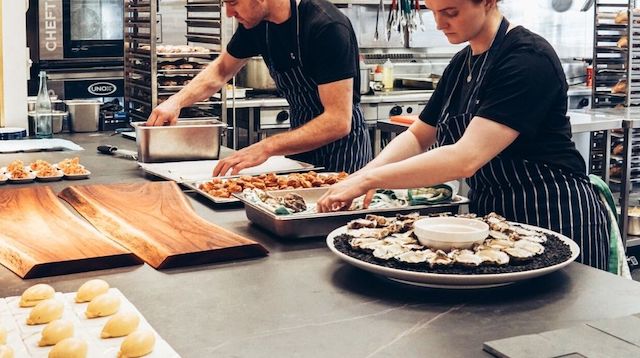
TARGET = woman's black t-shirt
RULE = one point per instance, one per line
(524, 89)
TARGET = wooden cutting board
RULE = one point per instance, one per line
(156, 222)
(40, 237)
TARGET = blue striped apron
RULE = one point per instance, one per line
(348, 153)
(528, 192)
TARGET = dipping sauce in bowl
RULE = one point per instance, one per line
(447, 233)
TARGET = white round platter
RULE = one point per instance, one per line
(454, 281)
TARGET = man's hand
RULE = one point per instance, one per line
(244, 158)
(166, 114)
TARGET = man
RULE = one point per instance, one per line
(312, 54)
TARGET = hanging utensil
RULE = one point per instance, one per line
(391, 19)
(380, 9)
(419, 13)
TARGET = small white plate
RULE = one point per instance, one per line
(31, 177)
(455, 281)
(84, 175)
(3, 179)
(56, 177)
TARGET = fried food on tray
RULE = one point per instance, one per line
(223, 188)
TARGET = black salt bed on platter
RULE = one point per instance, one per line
(555, 252)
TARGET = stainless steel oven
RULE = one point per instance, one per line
(80, 29)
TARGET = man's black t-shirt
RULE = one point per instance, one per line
(526, 90)
(328, 45)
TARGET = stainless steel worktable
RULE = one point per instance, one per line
(302, 301)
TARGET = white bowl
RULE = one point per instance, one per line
(447, 233)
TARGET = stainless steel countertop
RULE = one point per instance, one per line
(629, 116)
(378, 97)
(579, 90)
(581, 121)
(301, 301)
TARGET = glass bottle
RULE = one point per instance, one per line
(44, 120)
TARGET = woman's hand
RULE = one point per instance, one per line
(340, 195)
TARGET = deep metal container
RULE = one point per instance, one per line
(84, 114)
(255, 74)
(320, 224)
(187, 140)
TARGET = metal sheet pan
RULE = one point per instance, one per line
(321, 224)
(201, 170)
(195, 185)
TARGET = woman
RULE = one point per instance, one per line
(498, 119)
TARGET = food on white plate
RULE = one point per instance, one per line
(39, 165)
(103, 305)
(120, 325)
(49, 171)
(45, 312)
(90, 289)
(72, 166)
(70, 348)
(15, 165)
(137, 344)
(56, 331)
(6, 352)
(19, 173)
(3, 335)
(36, 293)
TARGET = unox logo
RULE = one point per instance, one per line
(102, 88)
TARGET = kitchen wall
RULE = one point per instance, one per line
(569, 32)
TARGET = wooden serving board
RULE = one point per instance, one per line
(156, 222)
(40, 237)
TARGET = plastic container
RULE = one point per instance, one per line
(387, 75)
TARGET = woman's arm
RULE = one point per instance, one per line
(482, 141)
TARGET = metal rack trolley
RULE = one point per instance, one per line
(151, 76)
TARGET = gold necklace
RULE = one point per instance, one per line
(471, 68)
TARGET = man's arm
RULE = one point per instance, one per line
(205, 84)
(333, 124)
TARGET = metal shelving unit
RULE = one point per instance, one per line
(609, 68)
(154, 72)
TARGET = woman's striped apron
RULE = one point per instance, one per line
(349, 153)
(527, 192)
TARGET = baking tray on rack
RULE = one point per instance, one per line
(303, 225)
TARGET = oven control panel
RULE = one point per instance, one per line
(274, 118)
(386, 110)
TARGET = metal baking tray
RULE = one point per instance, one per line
(321, 224)
(195, 185)
(187, 140)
